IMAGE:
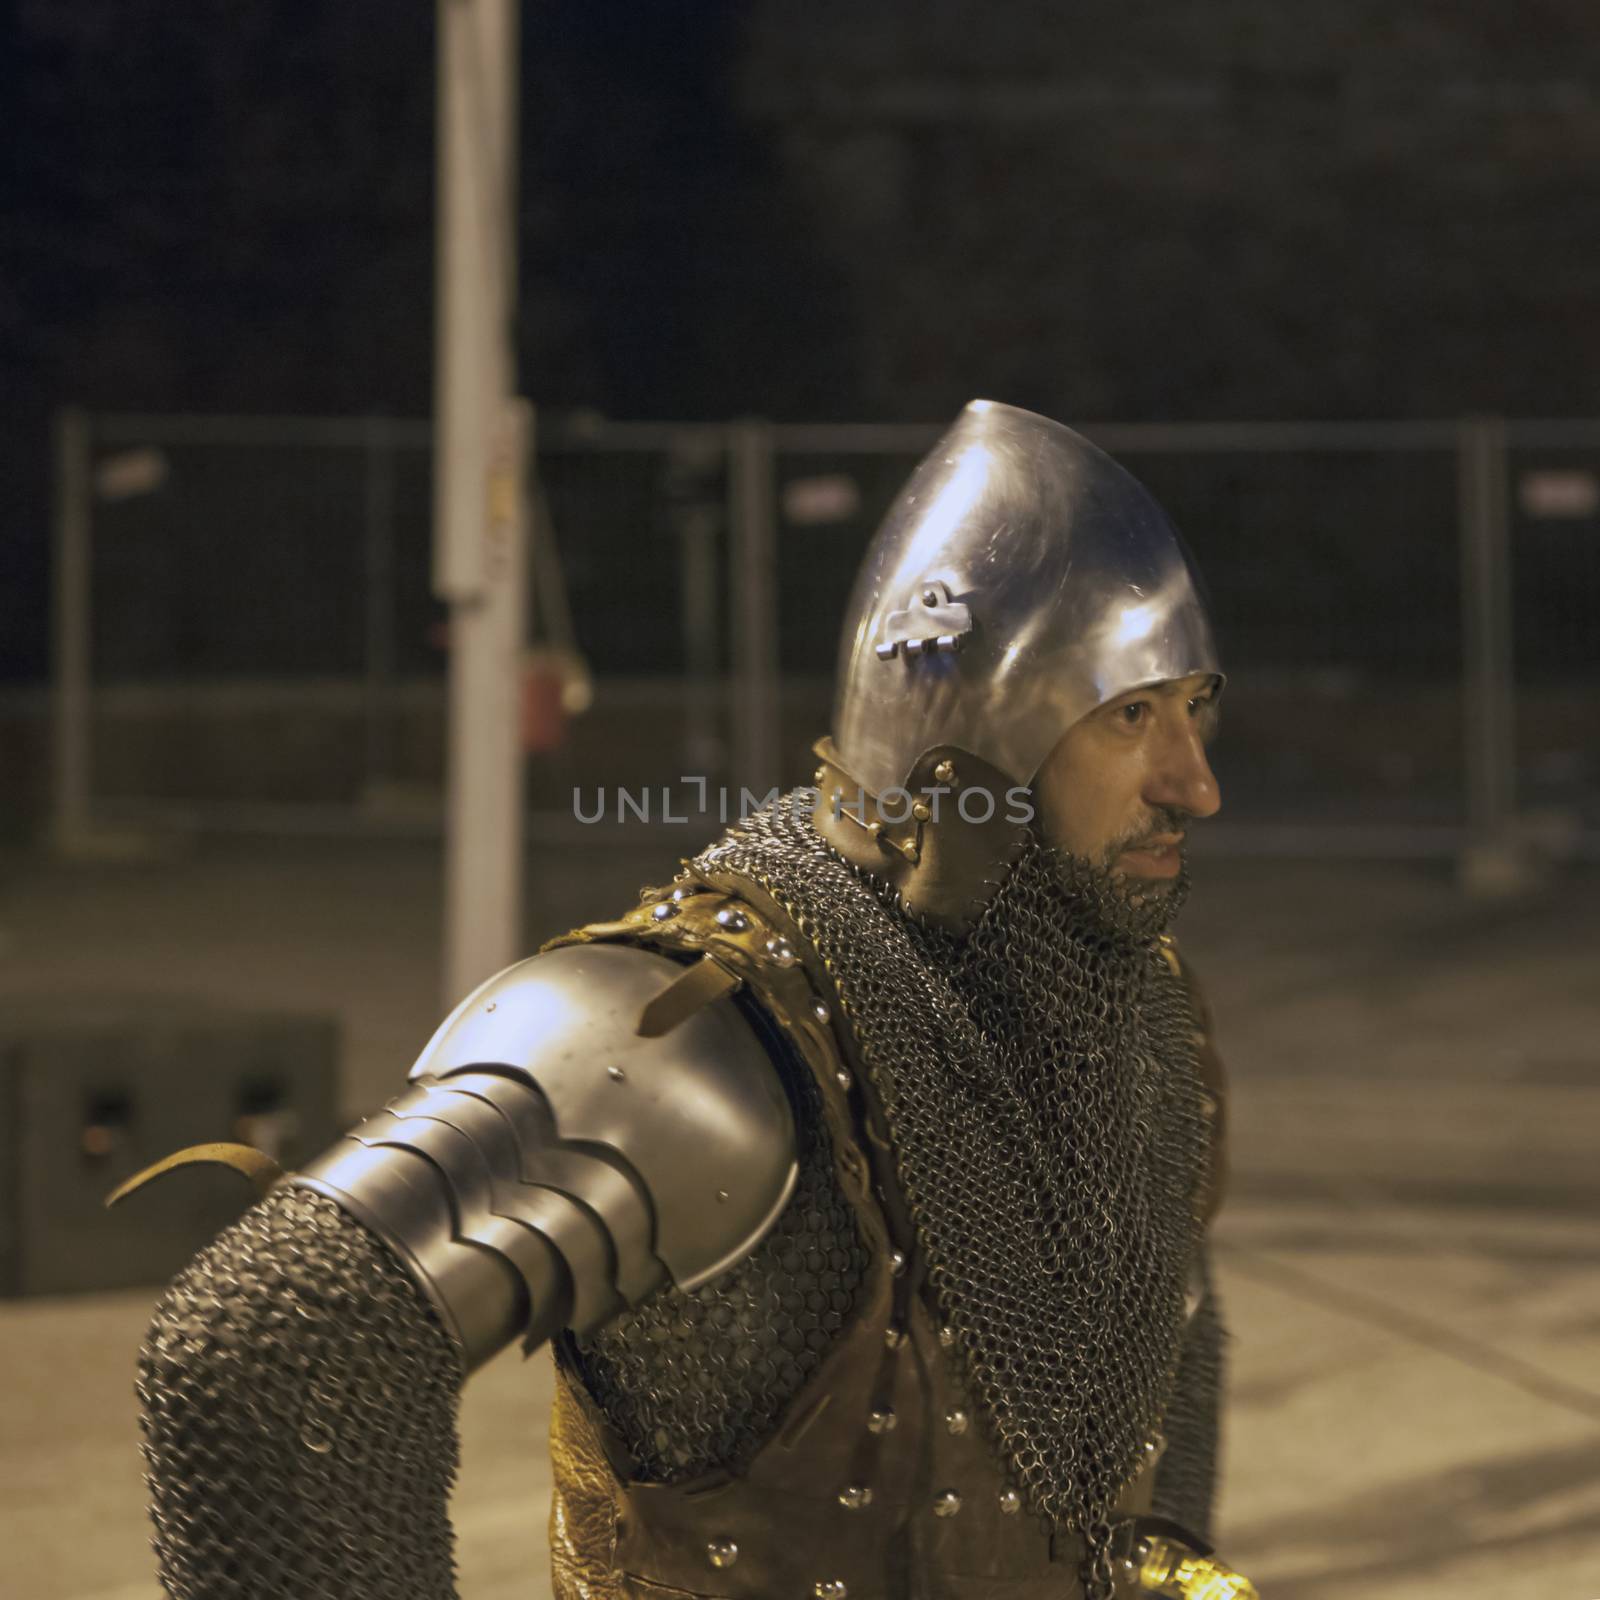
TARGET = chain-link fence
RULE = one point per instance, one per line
(246, 630)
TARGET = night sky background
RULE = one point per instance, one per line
(826, 211)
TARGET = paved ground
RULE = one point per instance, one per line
(1409, 1257)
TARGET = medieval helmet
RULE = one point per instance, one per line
(1021, 579)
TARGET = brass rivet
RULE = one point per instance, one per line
(829, 1589)
(893, 1337)
(947, 1336)
(722, 1195)
(842, 1078)
(855, 1497)
(945, 772)
(821, 1012)
(615, 1074)
(956, 1421)
(897, 1262)
(946, 1503)
(881, 1420)
(922, 811)
(1010, 1502)
(722, 1552)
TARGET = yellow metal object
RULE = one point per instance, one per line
(261, 1171)
(1167, 1568)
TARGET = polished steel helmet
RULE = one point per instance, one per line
(1021, 579)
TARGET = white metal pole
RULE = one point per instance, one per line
(480, 522)
(71, 651)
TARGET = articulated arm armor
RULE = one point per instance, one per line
(586, 1127)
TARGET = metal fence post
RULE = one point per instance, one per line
(71, 649)
(753, 513)
(1489, 705)
(378, 508)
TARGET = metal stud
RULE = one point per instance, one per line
(945, 772)
(781, 953)
(491, 1005)
(893, 1337)
(956, 1421)
(881, 1420)
(615, 1074)
(946, 1503)
(722, 1196)
(686, 891)
(897, 1262)
(921, 811)
(821, 1012)
(1010, 1502)
(820, 776)
(722, 1553)
(734, 920)
(663, 911)
(829, 1589)
(855, 1497)
(842, 1078)
(947, 1336)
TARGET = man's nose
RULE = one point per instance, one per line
(1181, 776)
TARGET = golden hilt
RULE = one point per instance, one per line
(1165, 1567)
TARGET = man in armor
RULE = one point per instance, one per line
(860, 1176)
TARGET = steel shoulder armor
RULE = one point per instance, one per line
(592, 1123)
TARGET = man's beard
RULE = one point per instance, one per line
(1121, 905)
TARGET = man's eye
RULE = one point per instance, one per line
(1133, 713)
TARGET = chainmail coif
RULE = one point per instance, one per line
(1039, 1081)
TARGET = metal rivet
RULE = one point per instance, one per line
(947, 1336)
(1010, 1502)
(734, 921)
(897, 1262)
(780, 952)
(855, 1497)
(881, 1420)
(842, 1078)
(491, 1005)
(946, 1503)
(930, 597)
(821, 1012)
(722, 1552)
(922, 811)
(945, 771)
(661, 912)
(820, 776)
(685, 891)
(615, 1074)
(829, 1589)
(722, 1195)
(956, 1421)
(893, 1337)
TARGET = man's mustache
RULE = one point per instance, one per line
(1164, 820)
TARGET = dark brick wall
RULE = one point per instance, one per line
(1238, 209)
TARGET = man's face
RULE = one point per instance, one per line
(1122, 785)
